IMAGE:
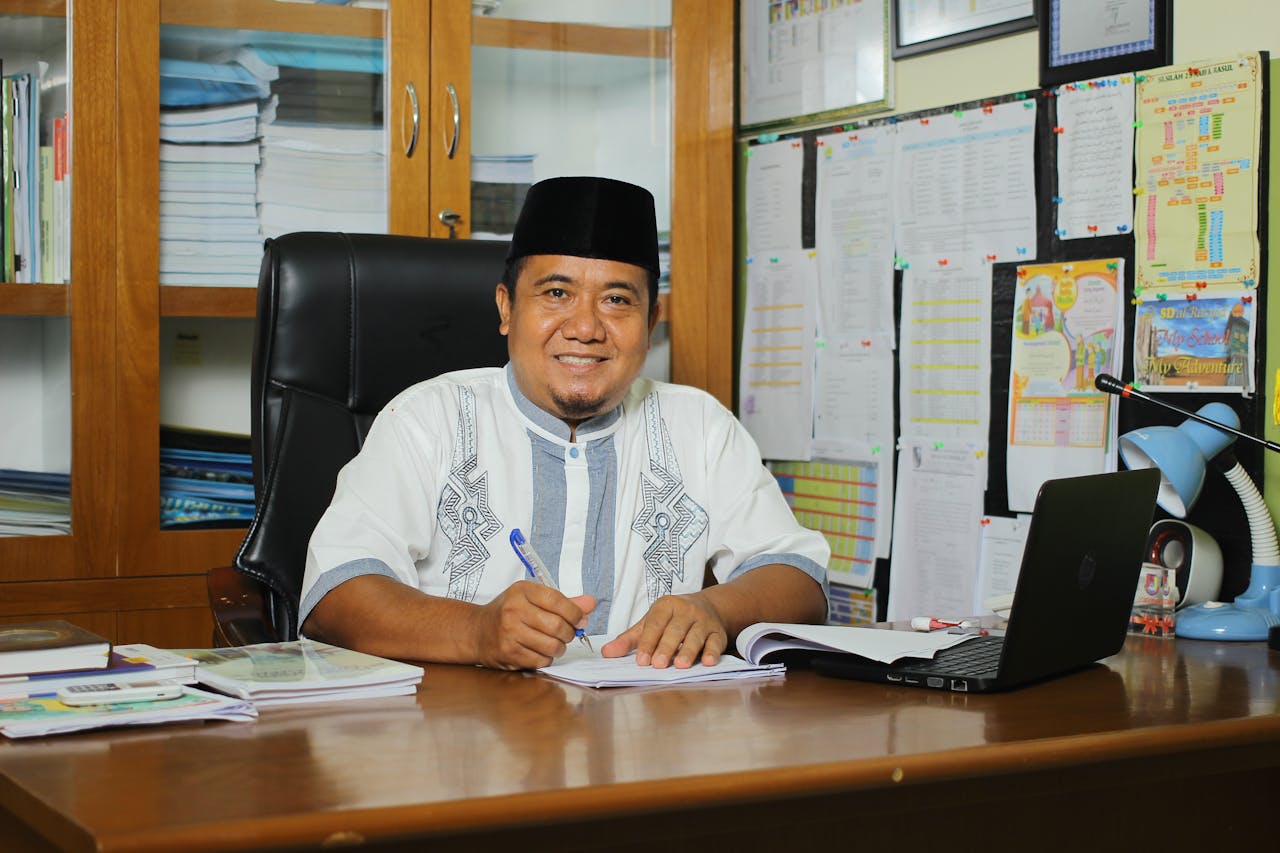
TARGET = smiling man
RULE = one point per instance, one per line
(648, 501)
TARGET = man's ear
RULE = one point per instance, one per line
(503, 299)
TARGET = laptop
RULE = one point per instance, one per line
(1075, 591)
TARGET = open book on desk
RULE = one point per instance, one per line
(588, 669)
(774, 640)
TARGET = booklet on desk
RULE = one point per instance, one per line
(776, 640)
(131, 663)
(45, 715)
(586, 668)
(50, 646)
(301, 671)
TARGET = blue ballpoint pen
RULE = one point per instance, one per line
(538, 571)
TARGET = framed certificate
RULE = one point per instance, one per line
(1083, 39)
(806, 63)
(920, 26)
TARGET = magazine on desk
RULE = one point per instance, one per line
(46, 715)
(301, 671)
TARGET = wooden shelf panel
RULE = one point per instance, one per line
(197, 550)
(102, 594)
(271, 16)
(371, 23)
(35, 300)
(208, 301)
(571, 38)
(44, 8)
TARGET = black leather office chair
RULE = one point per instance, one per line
(344, 323)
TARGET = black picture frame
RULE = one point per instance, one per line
(1056, 68)
(954, 39)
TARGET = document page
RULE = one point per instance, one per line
(1095, 120)
(774, 173)
(776, 377)
(854, 222)
(936, 532)
(581, 666)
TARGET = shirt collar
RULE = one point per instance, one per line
(550, 425)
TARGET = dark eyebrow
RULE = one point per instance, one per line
(623, 285)
(550, 277)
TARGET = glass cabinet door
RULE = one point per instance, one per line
(35, 304)
(260, 118)
(571, 89)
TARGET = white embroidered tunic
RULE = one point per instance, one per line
(651, 495)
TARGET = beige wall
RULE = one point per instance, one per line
(1202, 29)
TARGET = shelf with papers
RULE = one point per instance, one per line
(33, 300)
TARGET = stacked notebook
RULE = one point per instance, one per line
(301, 671)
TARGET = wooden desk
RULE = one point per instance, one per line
(1175, 744)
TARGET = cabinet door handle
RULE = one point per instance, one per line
(411, 144)
(451, 220)
(451, 142)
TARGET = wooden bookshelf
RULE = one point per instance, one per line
(208, 301)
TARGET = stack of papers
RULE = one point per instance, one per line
(301, 671)
(209, 231)
(34, 503)
(588, 669)
(45, 715)
(128, 664)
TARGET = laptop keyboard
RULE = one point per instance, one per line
(977, 657)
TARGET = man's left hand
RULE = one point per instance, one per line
(679, 629)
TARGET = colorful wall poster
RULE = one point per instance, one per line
(1067, 328)
(1201, 344)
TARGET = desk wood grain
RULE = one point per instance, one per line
(481, 757)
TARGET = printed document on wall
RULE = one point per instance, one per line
(804, 58)
(945, 380)
(1095, 120)
(1197, 152)
(854, 224)
(1203, 344)
(774, 173)
(1000, 557)
(776, 378)
(966, 185)
(936, 532)
(1068, 326)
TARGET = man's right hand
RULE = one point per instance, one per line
(528, 626)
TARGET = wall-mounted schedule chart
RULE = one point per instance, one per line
(1196, 153)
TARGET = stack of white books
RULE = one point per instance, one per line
(320, 177)
(301, 671)
(209, 234)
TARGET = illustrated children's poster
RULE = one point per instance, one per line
(1067, 328)
(1201, 344)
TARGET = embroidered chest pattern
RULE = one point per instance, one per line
(669, 521)
(463, 512)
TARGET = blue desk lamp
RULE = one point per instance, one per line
(1182, 454)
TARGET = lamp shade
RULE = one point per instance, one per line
(1181, 453)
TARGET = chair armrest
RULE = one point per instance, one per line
(241, 615)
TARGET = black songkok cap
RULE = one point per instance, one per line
(588, 218)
